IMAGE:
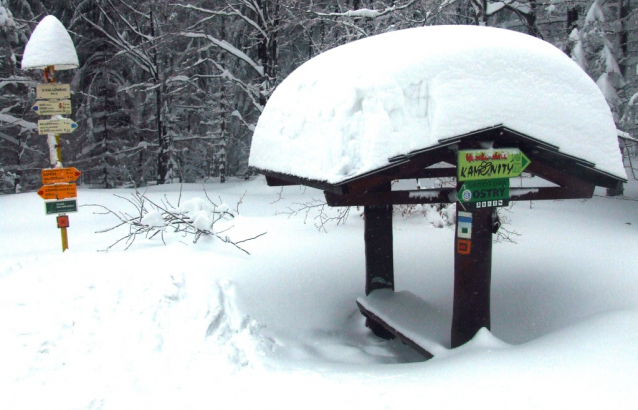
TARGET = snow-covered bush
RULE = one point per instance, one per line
(438, 215)
(195, 218)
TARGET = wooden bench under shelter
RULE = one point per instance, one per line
(476, 221)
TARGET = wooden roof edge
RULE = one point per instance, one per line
(583, 169)
(575, 166)
(600, 177)
(280, 179)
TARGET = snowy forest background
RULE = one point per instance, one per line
(170, 91)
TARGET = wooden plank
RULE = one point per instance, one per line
(379, 251)
(550, 193)
(420, 196)
(278, 179)
(272, 181)
(472, 276)
(567, 165)
(370, 316)
(447, 195)
(449, 172)
(404, 169)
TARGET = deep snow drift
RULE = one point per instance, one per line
(197, 326)
(348, 110)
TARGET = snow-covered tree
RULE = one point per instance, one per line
(21, 152)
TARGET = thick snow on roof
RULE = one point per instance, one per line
(348, 110)
(50, 44)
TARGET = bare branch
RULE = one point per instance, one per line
(171, 218)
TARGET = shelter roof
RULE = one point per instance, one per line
(363, 107)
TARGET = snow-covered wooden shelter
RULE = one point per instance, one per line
(402, 105)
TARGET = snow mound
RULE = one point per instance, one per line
(348, 110)
(203, 214)
(154, 219)
(50, 44)
(142, 326)
(484, 339)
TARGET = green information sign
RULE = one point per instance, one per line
(496, 163)
(486, 193)
(61, 207)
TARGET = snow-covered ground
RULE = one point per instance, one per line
(199, 326)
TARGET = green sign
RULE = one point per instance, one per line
(486, 193)
(491, 164)
(61, 207)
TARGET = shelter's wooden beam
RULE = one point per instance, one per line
(403, 170)
(570, 187)
(448, 195)
(278, 179)
(272, 181)
(550, 193)
(421, 196)
(449, 172)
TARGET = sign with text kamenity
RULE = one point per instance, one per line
(491, 164)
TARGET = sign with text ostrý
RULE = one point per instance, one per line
(491, 164)
(484, 193)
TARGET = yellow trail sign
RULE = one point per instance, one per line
(60, 126)
(53, 91)
(61, 191)
(59, 175)
(52, 107)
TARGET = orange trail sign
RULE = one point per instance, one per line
(59, 175)
(61, 191)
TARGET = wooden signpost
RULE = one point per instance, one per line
(43, 52)
(59, 190)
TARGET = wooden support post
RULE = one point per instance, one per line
(55, 152)
(472, 274)
(379, 254)
(378, 244)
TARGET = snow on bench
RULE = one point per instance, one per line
(410, 318)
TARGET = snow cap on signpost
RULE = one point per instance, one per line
(50, 45)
